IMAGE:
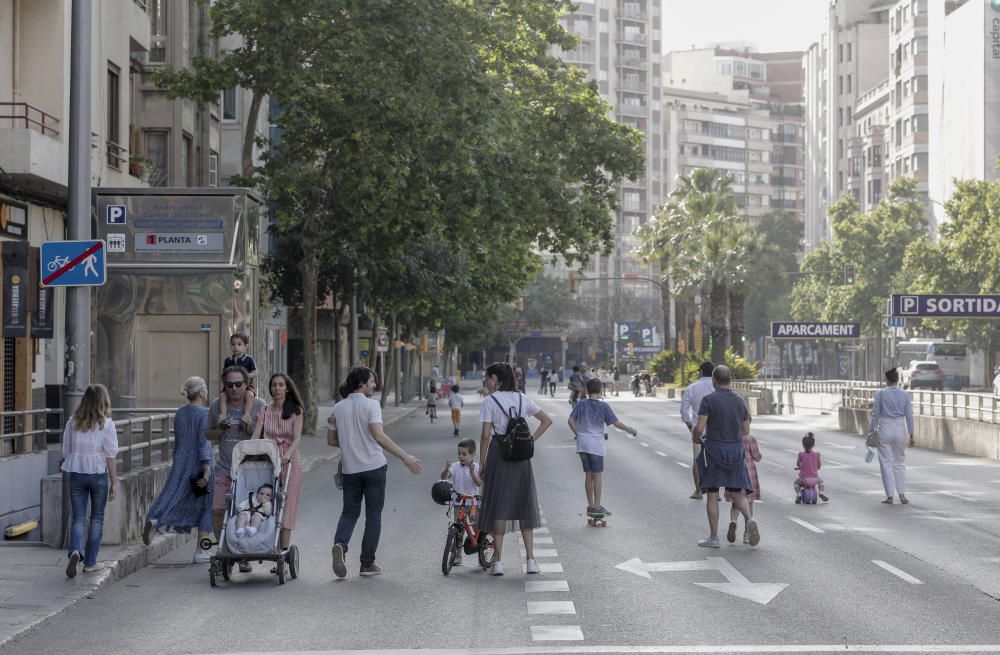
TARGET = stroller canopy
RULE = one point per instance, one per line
(256, 449)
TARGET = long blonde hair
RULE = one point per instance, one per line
(94, 409)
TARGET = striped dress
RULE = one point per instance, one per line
(281, 431)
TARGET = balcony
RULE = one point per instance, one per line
(627, 109)
(632, 37)
(783, 181)
(31, 150)
(633, 62)
(631, 13)
(117, 155)
(579, 54)
(633, 85)
(783, 203)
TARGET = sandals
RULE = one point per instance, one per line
(903, 499)
(887, 501)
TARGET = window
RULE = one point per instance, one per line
(847, 114)
(876, 191)
(159, 19)
(115, 153)
(848, 83)
(213, 169)
(848, 52)
(156, 150)
(840, 116)
(229, 104)
(840, 53)
(840, 84)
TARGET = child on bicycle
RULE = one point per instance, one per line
(464, 476)
(587, 421)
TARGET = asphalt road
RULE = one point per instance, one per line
(852, 575)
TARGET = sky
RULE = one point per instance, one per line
(773, 25)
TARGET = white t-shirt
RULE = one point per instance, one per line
(490, 412)
(89, 452)
(462, 480)
(455, 401)
(359, 451)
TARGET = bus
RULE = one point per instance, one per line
(951, 356)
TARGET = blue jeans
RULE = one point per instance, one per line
(370, 486)
(84, 488)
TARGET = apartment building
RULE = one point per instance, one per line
(620, 48)
(712, 130)
(848, 59)
(34, 153)
(179, 141)
(767, 88)
(866, 179)
(908, 130)
(964, 96)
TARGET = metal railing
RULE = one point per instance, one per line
(141, 3)
(980, 407)
(30, 431)
(138, 437)
(804, 386)
(117, 155)
(32, 117)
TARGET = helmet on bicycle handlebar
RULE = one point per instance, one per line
(441, 492)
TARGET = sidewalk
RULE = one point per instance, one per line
(33, 583)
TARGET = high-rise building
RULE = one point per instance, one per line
(620, 48)
(906, 144)
(964, 96)
(849, 59)
(866, 179)
(765, 90)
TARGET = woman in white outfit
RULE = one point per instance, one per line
(892, 418)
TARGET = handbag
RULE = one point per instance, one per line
(195, 489)
(516, 444)
(871, 439)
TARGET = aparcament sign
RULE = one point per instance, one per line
(784, 330)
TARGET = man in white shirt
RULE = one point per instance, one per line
(690, 402)
(356, 428)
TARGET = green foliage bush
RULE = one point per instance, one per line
(663, 365)
(740, 367)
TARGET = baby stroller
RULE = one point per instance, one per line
(255, 462)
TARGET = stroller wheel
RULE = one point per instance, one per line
(227, 569)
(293, 562)
(211, 574)
(281, 570)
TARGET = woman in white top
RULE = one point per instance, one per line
(509, 500)
(89, 449)
(892, 419)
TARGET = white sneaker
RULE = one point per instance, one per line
(251, 531)
(240, 532)
(201, 557)
(98, 566)
(531, 566)
(709, 542)
(497, 568)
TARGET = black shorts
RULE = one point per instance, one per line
(718, 490)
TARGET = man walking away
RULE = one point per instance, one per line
(358, 434)
(723, 419)
(690, 404)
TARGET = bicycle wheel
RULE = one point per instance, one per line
(487, 551)
(450, 547)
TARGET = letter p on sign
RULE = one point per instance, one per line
(116, 214)
(909, 304)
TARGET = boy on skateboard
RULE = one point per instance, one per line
(587, 421)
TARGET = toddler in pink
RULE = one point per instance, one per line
(808, 466)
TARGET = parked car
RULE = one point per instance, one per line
(922, 375)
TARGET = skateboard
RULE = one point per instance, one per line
(597, 521)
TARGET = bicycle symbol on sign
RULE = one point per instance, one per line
(57, 263)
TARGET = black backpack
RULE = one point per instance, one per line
(516, 444)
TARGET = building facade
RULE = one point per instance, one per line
(908, 129)
(848, 59)
(866, 179)
(620, 48)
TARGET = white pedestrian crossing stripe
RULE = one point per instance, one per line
(543, 586)
(551, 607)
(556, 633)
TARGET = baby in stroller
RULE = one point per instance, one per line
(254, 510)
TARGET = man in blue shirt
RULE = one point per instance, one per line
(723, 420)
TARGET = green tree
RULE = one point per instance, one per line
(772, 275)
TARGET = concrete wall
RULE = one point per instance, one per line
(124, 517)
(946, 435)
(19, 492)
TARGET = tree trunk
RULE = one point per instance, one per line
(737, 320)
(392, 368)
(665, 304)
(309, 269)
(336, 353)
(250, 133)
(717, 300)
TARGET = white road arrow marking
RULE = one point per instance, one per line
(736, 583)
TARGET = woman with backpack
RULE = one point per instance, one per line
(508, 498)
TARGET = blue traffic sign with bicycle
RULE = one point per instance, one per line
(73, 263)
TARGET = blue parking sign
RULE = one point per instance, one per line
(116, 215)
(73, 263)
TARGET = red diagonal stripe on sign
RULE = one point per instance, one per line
(73, 262)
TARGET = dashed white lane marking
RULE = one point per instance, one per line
(537, 540)
(542, 552)
(644, 444)
(966, 496)
(711, 649)
(551, 607)
(790, 450)
(687, 466)
(545, 567)
(903, 575)
(556, 633)
(806, 524)
(543, 586)
(541, 530)
(660, 453)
